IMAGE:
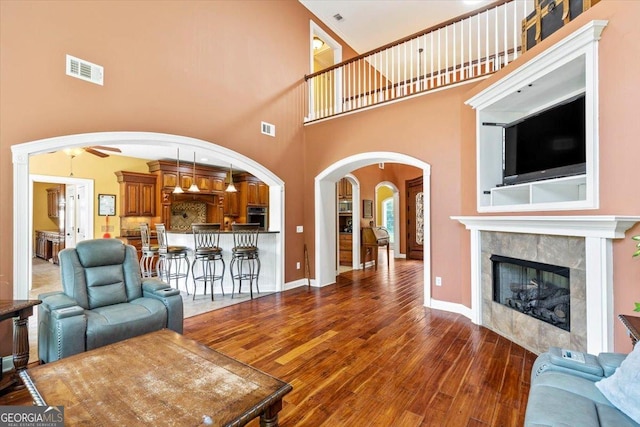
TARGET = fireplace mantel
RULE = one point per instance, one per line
(598, 232)
(602, 226)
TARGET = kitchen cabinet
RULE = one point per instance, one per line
(55, 198)
(346, 248)
(48, 245)
(137, 193)
(344, 189)
(231, 204)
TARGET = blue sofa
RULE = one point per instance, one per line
(104, 300)
(566, 392)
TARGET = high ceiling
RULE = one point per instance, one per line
(368, 24)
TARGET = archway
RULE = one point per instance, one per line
(22, 240)
(396, 212)
(325, 218)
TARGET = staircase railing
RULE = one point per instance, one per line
(462, 49)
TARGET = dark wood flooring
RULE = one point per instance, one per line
(365, 352)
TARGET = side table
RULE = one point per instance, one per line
(19, 310)
(632, 323)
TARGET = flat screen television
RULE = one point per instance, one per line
(548, 144)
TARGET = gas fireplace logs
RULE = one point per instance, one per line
(543, 300)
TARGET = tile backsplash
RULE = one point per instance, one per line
(183, 214)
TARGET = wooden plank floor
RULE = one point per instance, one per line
(365, 352)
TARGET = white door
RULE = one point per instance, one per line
(82, 213)
(76, 214)
(70, 217)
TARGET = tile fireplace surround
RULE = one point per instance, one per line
(582, 243)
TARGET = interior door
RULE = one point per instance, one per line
(82, 213)
(415, 218)
(76, 214)
(70, 217)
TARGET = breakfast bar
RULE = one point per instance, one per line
(267, 245)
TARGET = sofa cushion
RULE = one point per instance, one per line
(553, 406)
(623, 387)
(113, 323)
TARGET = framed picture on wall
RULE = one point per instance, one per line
(106, 204)
(367, 208)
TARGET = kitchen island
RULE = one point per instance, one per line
(268, 244)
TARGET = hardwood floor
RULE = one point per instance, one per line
(365, 352)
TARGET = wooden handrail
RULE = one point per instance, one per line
(410, 37)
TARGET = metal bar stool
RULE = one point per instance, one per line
(170, 257)
(244, 256)
(149, 253)
(207, 251)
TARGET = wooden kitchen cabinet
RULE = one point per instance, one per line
(55, 196)
(137, 193)
(231, 205)
(346, 248)
(48, 245)
(344, 189)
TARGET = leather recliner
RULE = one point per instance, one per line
(104, 300)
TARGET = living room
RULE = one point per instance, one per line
(207, 70)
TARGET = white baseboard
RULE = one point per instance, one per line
(451, 307)
(298, 283)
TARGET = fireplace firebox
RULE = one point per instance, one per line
(535, 289)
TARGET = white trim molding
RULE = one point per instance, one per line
(598, 231)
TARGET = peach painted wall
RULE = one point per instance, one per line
(427, 128)
(212, 70)
(371, 176)
(619, 103)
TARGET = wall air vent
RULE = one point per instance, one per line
(268, 129)
(85, 70)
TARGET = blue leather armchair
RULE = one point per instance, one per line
(104, 300)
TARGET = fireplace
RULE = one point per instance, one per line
(536, 289)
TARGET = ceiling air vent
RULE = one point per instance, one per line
(268, 129)
(85, 70)
(338, 17)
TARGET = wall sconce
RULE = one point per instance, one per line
(230, 188)
(178, 188)
(194, 187)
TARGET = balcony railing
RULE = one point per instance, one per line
(465, 48)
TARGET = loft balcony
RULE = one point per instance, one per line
(466, 48)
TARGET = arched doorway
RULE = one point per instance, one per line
(325, 218)
(390, 220)
(22, 233)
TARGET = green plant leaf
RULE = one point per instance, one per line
(637, 306)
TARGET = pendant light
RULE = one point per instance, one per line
(230, 188)
(178, 188)
(194, 187)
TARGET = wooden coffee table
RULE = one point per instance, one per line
(161, 378)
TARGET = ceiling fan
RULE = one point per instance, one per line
(96, 150)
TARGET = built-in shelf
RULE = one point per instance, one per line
(565, 70)
(540, 193)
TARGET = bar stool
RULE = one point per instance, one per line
(149, 253)
(244, 256)
(207, 252)
(170, 256)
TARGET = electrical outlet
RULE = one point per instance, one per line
(438, 281)
(299, 229)
(297, 265)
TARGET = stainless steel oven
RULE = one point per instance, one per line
(257, 215)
